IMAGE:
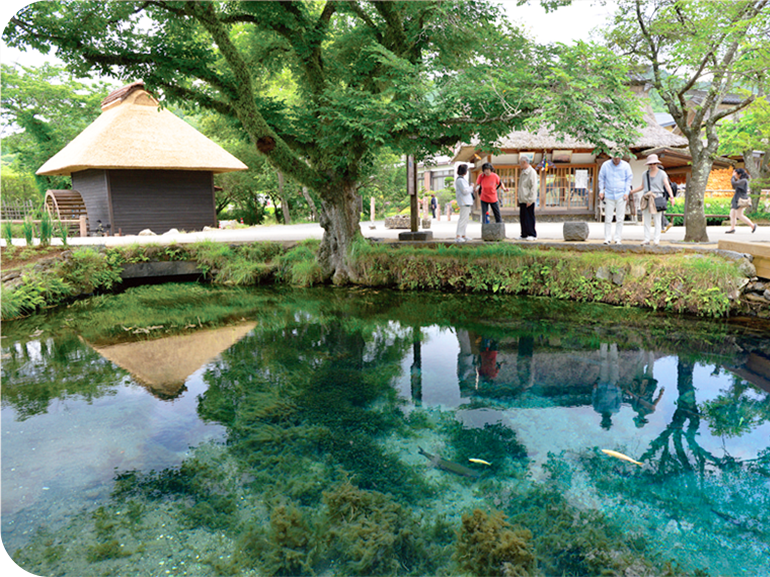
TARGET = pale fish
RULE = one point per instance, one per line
(480, 462)
(445, 465)
(621, 456)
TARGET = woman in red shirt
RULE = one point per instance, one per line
(486, 186)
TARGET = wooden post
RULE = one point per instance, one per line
(83, 225)
(411, 188)
(371, 209)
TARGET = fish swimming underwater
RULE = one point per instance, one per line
(445, 465)
(480, 462)
(621, 456)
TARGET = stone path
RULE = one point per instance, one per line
(442, 230)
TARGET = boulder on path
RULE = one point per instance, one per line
(575, 231)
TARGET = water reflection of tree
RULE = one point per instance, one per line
(676, 449)
(311, 401)
(668, 453)
(738, 410)
(35, 373)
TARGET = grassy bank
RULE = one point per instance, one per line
(700, 284)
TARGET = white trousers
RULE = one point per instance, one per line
(462, 224)
(617, 208)
(658, 216)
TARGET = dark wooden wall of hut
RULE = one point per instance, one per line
(161, 200)
(92, 186)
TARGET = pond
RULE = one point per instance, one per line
(190, 430)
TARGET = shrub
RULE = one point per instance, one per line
(299, 266)
(89, 270)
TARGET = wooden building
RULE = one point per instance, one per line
(138, 166)
(569, 187)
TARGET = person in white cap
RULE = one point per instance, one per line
(614, 185)
(655, 184)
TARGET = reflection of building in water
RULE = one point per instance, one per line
(163, 365)
(560, 372)
(756, 370)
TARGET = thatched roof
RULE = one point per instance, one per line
(651, 135)
(163, 365)
(132, 132)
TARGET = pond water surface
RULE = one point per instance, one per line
(344, 432)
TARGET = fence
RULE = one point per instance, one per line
(17, 209)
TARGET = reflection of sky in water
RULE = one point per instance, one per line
(77, 446)
(573, 428)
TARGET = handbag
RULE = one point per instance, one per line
(744, 202)
(660, 201)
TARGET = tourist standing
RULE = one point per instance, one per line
(740, 182)
(655, 186)
(433, 205)
(486, 186)
(528, 188)
(464, 196)
(615, 178)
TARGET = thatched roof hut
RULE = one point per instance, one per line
(133, 132)
(139, 166)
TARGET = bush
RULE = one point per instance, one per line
(716, 206)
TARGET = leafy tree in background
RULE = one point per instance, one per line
(724, 43)
(748, 133)
(411, 76)
(386, 183)
(43, 108)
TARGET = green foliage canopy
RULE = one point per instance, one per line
(413, 76)
(695, 53)
(42, 110)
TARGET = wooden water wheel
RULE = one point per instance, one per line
(65, 205)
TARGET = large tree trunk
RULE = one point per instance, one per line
(695, 217)
(339, 217)
(284, 200)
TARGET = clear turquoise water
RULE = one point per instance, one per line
(297, 449)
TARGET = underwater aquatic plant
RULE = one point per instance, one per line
(286, 548)
(369, 533)
(487, 545)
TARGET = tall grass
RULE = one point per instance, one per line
(46, 228)
(64, 231)
(8, 234)
(28, 229)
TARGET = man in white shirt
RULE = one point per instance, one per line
(615, 178)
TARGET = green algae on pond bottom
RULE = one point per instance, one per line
(322, 409)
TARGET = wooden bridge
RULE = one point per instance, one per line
(759, 250)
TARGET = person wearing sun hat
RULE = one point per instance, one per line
(655, 184)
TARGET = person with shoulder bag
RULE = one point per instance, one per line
(741, 200)
(657, 193)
